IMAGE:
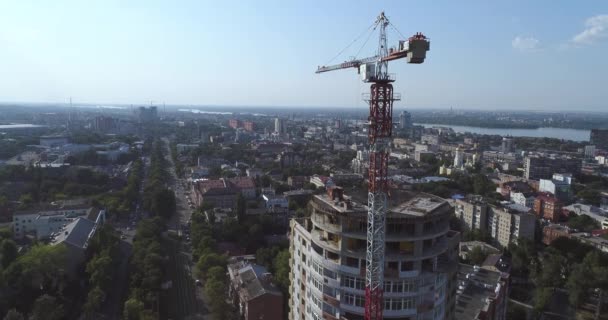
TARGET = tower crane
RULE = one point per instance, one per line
(374, 70)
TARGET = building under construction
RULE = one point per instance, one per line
(328, 260)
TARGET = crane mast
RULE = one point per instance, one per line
(380, 99)
(380, 129)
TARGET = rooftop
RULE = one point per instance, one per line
(76, 233)
(421, 205)
(252, 280)
(475, 287)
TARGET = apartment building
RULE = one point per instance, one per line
(507, 226)
(328, 260)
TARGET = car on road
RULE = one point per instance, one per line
(198, 283)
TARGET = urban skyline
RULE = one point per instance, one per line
(517, 55)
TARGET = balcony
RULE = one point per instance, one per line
(331, 301)
(331, 243)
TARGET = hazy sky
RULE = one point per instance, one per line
(543, 55)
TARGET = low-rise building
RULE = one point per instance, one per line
(599, 215)
(275, 203)
(554, 231)
(467, 246)
(559, 186)
(599, 243)
(42, 222)
(548, 207)
(253, 292)
(424, 156)
(297, 181)
(524, 199)
(482, 294)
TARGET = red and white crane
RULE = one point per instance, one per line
(381, 97)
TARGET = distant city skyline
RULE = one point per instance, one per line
(484, 56)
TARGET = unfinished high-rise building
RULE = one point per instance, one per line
(328, 252)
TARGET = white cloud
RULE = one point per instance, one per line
(522, 43)
(596, 28)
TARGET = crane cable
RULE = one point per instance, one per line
(350, 44)
(399, 32)
(366, 40)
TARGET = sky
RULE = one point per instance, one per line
(489, 55)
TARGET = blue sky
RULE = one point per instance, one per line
(541, 55)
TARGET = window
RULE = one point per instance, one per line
(399, 303)
(317, 267)
(330, 274)
(317, 283)
(353, 282)
(354, 300)
(407, 266)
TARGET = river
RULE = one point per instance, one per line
(544, 132)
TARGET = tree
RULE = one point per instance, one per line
(542, 297)
(216, 273)
(95, 298)
(26, 200)
(282, 269)
(13, 314)
(583, 223)
(216, 290)
(208, 260)
(477, 255)
(8, 252)
(163, 203)
(241, 207)
(47, 307)
(590, 196)
(133, 309)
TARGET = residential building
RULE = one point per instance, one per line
(275, 203)
(249, 126)
(234, 123)
(254, 172)
(222, 193)
(465, 247)
(599, 138)
(431, 139)
(297, 181)
(76, 236)
(321, 181)
(599, 215)
(506, 145)
(458, 158)
(599, 243)
(253, 292)
(523, 199)
(559, 186)
(554, 231)
(482, 294)
(472, 213)
(506, 188)
(104, 124)
(507, 226)
(360, 163)
(147, 115)
(328, 260)
(589, 152)
(42, 222)
(279, 126)
(546, 206)
(544, 166)
(405, 120)
(423, 156)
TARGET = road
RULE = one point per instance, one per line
(185, 299)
